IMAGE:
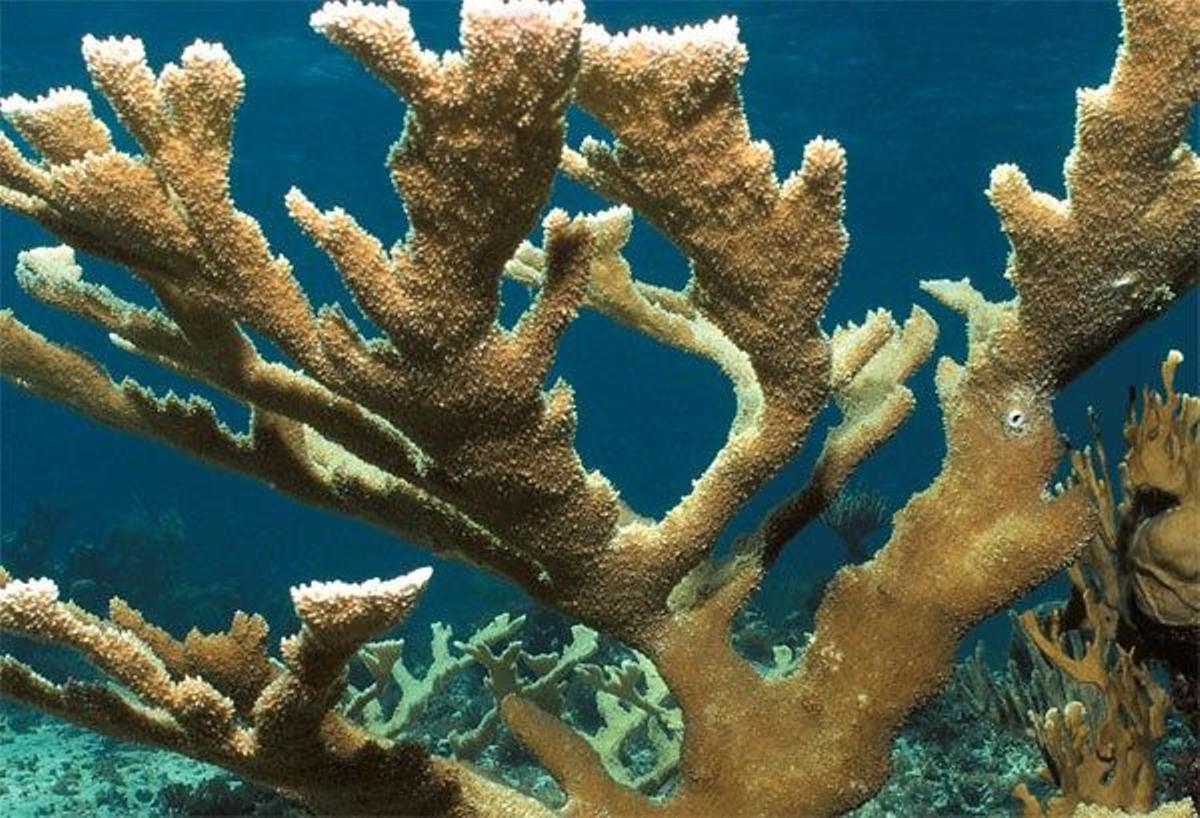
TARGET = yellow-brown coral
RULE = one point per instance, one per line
(1136, 583)
(440, 429)
(1160, 479)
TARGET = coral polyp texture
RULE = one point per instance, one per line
(441, 428)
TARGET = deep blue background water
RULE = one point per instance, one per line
(926, 98)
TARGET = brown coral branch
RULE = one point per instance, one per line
(874, 403)
(442, 428)
(289, 736)
(207, 262)
(764, 255)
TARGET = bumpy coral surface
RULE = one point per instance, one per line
(440, 427)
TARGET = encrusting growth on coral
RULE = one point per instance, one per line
(440, 428)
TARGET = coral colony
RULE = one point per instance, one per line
(441, 430)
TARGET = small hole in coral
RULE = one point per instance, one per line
(1014, 421)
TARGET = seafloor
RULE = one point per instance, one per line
(948, 762)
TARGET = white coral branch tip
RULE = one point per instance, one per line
(318, 592)
(722, 33)
(50, 264)
(113, 49)
(340, 15)
(25, 592)
(352, 606)
(17, 105)
(566, 11)
(205, 52)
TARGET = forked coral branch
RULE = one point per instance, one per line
(441, 428)
(284, 732)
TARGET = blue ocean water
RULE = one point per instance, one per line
(926, 97)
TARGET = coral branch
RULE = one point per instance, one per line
(443, 429)
(288, 736)
(874, 361)
(764, 255)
